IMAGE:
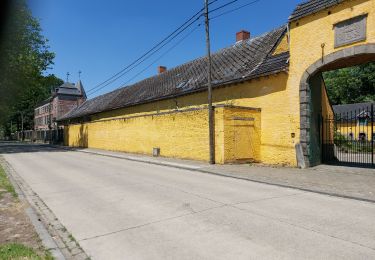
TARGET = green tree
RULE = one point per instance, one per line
(351, 85)
(24, 58)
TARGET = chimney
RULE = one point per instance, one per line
(162, 69)
(242, 36)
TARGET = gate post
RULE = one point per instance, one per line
(372, 134)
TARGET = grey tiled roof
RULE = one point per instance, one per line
(311, 7)
(242, 61)
(352, 109)
(81, 89)
(69, 89)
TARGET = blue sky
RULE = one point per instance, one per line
(101, 37)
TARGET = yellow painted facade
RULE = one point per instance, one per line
(352, 130)
(266, 134)
(308, 34)
(327, 113)
(180, 134)
(275, 145)
(283, 46)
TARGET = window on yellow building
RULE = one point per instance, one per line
(362, 137)
(362, 121)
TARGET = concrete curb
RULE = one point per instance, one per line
(40, 229)
(53, 234)
(199, 169)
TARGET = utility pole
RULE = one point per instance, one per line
(211, 128)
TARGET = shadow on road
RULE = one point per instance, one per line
(18, 147)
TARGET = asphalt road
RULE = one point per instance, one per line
(120, 209)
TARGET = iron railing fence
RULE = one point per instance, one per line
(52, 136)
(348, 137)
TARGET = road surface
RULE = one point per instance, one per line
(120, 209)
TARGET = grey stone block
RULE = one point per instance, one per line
(303, 135)
(371, 48)
(304, 79)
(305, 112)
(348, 52)
(329, 59)
(300, 157)
(307, 162)
(311, 70)
(337, 55)
(304, 124)
(361, 49)
(304, 106)
(304, 99)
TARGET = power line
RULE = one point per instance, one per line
(194, 18)
(163, 55)
(222, 6)
(235, 9)
(160, 57)
(165, 42)
(140, 61)
(176, 32)
(169, 50)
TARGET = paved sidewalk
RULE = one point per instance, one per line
(354, 183)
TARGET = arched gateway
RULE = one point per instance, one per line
(325, 35)
(346, 57)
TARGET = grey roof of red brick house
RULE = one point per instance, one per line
(242, 61)
(67, 89)
(70, 89)
(311, 7)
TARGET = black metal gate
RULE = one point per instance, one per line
(347, 138)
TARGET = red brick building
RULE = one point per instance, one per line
(63, 99)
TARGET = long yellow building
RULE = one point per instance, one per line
(268, 94)
(355, 121)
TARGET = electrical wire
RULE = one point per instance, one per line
(222, 6)
(165, 42)
(162, 56)
(130, 68)
(167, 39)
(234, 9)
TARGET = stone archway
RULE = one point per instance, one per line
(343, 58)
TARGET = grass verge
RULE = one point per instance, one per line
(18, 251)
(5, 185)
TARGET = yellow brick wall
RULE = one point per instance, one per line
(274, 146)
(181, 134)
